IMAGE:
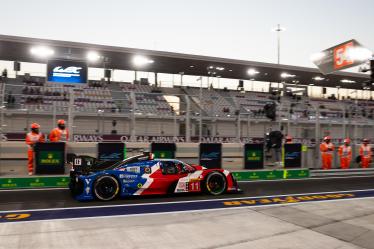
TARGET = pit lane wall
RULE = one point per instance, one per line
(63, 181)
(13, 154)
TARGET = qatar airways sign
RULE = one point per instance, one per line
(67, 71)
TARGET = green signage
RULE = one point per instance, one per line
(50, 158)
(63, 181)
(254, 155)
(34, 182)
(270, 174)
(163, 154)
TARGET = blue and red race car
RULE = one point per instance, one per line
(143, 175)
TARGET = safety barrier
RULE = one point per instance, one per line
(63, 181)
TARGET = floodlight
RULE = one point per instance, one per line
(93, 56)
(41, 51)
(359, 54)
(318, 78)
(347, 81)
(278, 28)
(287, 75)
(139, 60)
(252, 72)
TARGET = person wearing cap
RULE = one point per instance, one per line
(327, 150)
(33, 137)
(345, 154)
(365, 153)
(60, 133)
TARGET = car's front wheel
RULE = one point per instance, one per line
(215, 183)
(106, 188)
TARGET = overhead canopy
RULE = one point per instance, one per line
(13, 48)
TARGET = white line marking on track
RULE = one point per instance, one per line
(189, 201)
(190, 211)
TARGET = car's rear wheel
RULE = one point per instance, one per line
(106, 188)
(215, 183)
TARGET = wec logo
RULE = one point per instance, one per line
(68, 72)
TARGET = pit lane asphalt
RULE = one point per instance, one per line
(60, 198)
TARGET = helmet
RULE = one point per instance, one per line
(61, 121)
(35, 126)
(327, 138)
(347, 140)
(365, 140)
(288, 138)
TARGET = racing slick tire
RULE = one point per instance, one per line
(215, 183)
(106, 188)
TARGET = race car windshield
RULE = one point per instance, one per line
(187, 167)
(129, 160)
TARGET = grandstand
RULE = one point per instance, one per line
(144, 108)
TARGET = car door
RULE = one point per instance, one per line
(165, 180)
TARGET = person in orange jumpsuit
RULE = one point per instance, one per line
(327, 150)
(345, 154)
(365, 153)
(33, 137)
(60, 133)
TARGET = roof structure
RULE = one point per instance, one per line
(14, 48)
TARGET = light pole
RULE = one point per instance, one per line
(278, 29)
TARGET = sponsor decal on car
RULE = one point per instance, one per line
(147, 170)
(125, 176)
(133, 169)
(181, 187)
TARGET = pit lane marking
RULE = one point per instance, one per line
(187, 211)
(182, 206)
(181, 202)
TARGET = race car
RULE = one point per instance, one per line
(143, 175)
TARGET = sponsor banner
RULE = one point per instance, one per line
(34, 182)
(163, 150)
(168, 139)
(67, 71)
(111, 151)
(179, 206)
(292, 155)
(147, 139)
(290, 199)
(62, 181)
(340, 57)
(49, 158)
(210, 155)
(254, 156)
(270, 174)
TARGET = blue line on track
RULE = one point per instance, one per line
(138, 209)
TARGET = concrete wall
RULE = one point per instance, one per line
(14, 154)
(165, 126)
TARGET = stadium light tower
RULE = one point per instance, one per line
(278, 29)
